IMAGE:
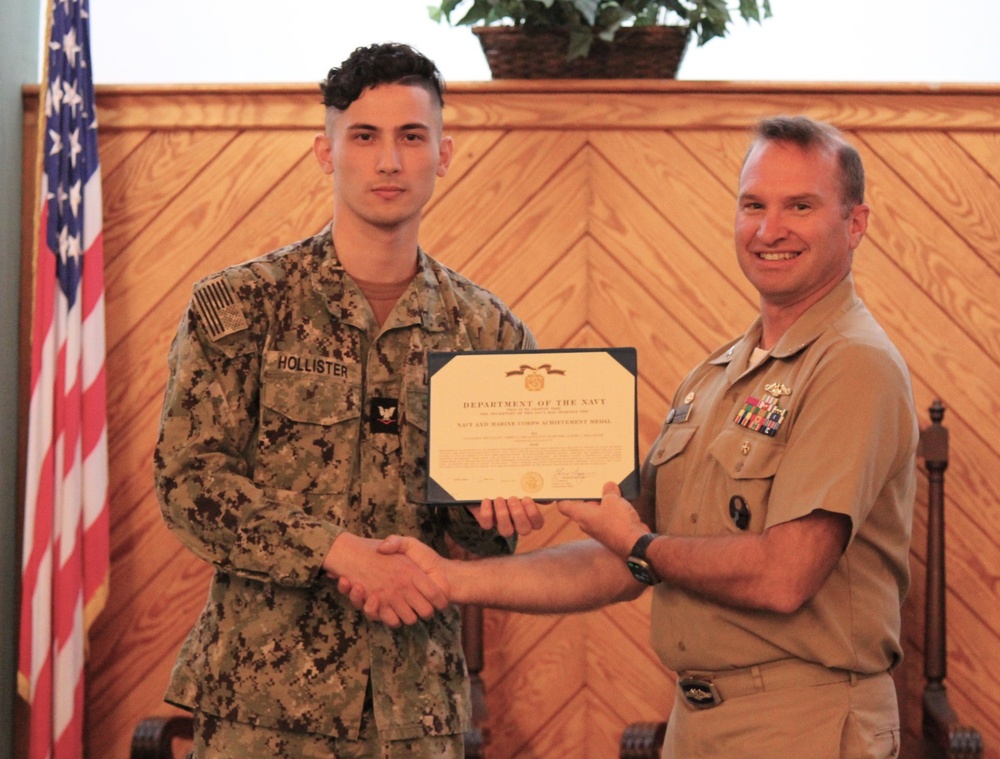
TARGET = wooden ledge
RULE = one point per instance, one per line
(561, 104)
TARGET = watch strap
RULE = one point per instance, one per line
(637, 562)
(639, 549)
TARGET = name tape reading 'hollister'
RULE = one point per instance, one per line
(310, 365)
(216, 303)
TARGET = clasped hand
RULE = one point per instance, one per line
(612, 521)
(413, 582)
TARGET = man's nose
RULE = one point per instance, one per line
(772, 227)
(388, 160)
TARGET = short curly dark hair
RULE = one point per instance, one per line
(384, 63)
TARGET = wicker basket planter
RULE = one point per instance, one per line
(646, 52)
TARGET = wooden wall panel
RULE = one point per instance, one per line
(509, 176)
(602, 211)
(983, 148)
(553, 221)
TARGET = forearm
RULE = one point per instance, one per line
(733, 571)
(777, 570)
(270, 536)
(570, 577)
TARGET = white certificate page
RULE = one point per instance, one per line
(551, 425)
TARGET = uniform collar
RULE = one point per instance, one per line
(806, 329)
(421, 303)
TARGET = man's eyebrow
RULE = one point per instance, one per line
(362, 127)
(804, 196)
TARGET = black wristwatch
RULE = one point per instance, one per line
(637, 562)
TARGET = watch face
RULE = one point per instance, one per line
(640, 571)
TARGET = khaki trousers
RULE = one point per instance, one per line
(851, 719)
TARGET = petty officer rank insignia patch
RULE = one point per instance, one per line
(761, 415)
(384, 415)
(218, 308)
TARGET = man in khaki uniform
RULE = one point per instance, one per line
(294, 438)
(780, 489)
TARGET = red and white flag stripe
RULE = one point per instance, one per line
(65, 550)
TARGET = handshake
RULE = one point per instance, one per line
(419, 584)
(400, 580)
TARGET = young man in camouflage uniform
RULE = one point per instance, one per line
(294, 437)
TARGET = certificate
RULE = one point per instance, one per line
(545, 424)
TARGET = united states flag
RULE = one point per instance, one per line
(65, 557)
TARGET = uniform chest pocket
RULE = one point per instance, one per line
(669, 468)
(672, 443)
(749, 461)
(310, 401)
(308, 432)
(746, 455)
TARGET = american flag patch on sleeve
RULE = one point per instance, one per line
(218, 308)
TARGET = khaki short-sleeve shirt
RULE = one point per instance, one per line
(825, 421)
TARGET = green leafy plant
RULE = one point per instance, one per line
(587, 20)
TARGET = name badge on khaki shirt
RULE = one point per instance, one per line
(681, 413)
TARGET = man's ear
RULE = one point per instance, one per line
(445, 152)
(323, 150)
(858, 224)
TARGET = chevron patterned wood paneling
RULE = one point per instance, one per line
(602, 212)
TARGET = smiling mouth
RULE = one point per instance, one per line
(778, 256)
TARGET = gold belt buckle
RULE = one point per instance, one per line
(701, 694)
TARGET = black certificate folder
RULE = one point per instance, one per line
(548, 424)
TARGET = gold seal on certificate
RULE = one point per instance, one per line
(546, 424)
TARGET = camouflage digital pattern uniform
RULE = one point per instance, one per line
(277, 435)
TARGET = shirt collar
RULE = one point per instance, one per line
(806, 329)
(421, 303)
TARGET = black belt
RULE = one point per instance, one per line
(704, 690)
